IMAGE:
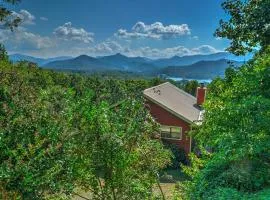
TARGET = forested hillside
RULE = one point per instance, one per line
(60, 132)
(201, 69)
(65, 133)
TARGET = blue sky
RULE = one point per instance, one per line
(150, 28)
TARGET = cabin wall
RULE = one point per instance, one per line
(164, 117)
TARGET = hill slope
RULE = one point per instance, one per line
(199, 70)
(196, 66)
(115, 62)
(39, 61)
(188, 60)
(132, 64)
(81, 63)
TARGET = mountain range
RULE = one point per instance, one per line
(39, 61)
(201, 69)
(194, 66)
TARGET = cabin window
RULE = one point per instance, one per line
(171, 132)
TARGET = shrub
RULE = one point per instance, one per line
(179, 155)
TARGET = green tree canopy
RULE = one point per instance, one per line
(6, 21)
(234, 137)
(236, 129)
(3, 53)
(248, 27)
(59, 132)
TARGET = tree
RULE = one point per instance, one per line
(60, 131)
(33, 131)
(236, 126)
(236, 120)
(248, 27)
(7, 22)
(191, 87)
(3, 53)
(117, 158)
(5, 19)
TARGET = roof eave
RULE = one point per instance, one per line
(168, 109)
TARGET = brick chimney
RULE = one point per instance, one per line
(201, 94)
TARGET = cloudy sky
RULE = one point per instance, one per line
(149, 28)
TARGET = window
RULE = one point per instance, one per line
(171, 132)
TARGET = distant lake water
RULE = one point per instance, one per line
(190, 79)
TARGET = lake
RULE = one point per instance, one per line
(190, 79)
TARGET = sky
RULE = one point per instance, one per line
(148, 28)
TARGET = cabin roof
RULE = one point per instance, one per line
(175, 101)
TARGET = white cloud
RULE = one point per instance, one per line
(23, 40)
(68, 32)
(26, 17)
(107, 47)
(44, 18)
(71, 41)
(155, 31)
(170, 52)
(204, 49)
(3, 36)
(112, 47)
(65, 40)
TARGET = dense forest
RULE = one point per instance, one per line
(62, 133)
(59, 131)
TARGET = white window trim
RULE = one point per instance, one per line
(181, 133)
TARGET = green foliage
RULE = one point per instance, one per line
(236, 127)
(191, 87)
(179, 155)
(5, 14)
(33, 128)
(248, 27)
(3, 53)
(121, 160)
(59, 132)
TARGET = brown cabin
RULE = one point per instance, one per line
(175, 111)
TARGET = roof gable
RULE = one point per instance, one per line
(174, 100)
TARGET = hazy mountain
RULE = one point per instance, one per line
(196, 66)
(199, 70)
(117, 62)
(39, 61)
(80, 63)
(56, 59)
(133, 64)
(188, 60)
(20, 57)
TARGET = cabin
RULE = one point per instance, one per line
(175, 110)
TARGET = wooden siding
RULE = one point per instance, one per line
(164, 117)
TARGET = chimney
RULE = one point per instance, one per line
(201, 94)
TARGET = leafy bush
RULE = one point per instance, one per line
(60, 131)
(179, 155)
(236, 125)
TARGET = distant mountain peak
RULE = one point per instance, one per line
(119, 55)
(186, 66)
(40, 61)
(84, 57)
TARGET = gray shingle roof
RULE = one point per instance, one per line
(174, 100)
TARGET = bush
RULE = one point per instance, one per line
(179, 155)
